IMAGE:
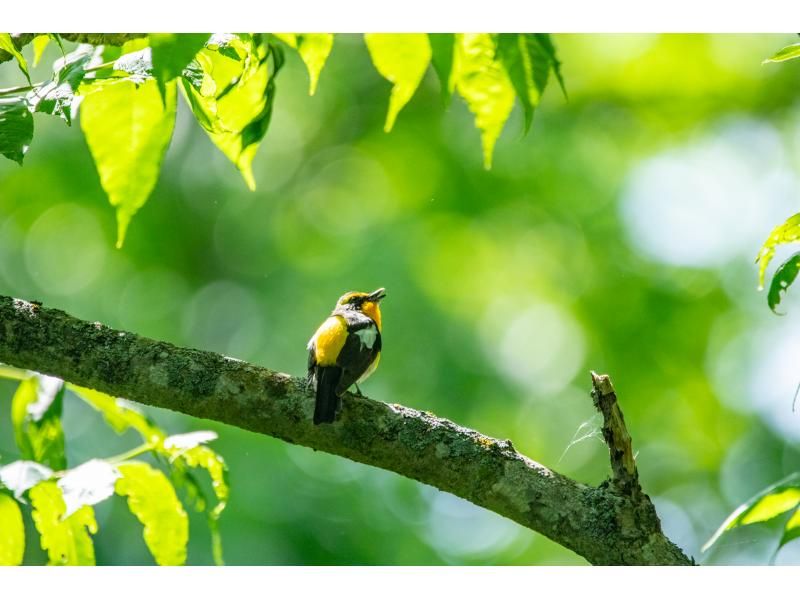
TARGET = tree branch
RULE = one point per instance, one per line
(109, 39)
(608, 524)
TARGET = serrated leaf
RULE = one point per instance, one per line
(67, 540)
(172, 52)
(784, 54)
(482, 81)
(442, 49)
(21, 476)
(237, 115)
(792, 529)
(788, 232)
(57, 97)
(784, 276)
(528, 67)
(36, 416)
(401, 58)
(199, 456)
(39, 43)
(16, 128)
(12, 537)
(87, 484)
(120, 414)
(205, 458)
(775, 500)
(152, 499)
(549, 48)
(128, 129)
(7, 44)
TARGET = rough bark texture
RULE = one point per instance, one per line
(609, 524)
(109, 39)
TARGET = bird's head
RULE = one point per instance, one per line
(366, 303)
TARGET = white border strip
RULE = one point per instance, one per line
(407, 15)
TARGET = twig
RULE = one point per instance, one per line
(615, 433)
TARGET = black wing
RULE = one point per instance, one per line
(362, 346)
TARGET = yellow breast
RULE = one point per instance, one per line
(329, 339)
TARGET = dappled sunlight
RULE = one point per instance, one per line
(539, 346)
(57, 235)
(712, 200)
(459, 529)
(224, 317)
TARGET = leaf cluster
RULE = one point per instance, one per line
(127, 97)
(62, 498)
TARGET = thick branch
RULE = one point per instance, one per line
(605, 525)
(109, 39)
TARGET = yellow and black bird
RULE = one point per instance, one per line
(344, 350)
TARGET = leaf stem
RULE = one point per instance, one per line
(134, 452)
(13, 90)
(99, 67)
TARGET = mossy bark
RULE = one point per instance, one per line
(605, 524)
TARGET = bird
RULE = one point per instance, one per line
(344, 350)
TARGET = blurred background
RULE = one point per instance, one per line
(619, 236)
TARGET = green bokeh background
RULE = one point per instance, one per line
(618, 236)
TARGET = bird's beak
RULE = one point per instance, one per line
(377, 295)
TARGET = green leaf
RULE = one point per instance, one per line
(771, 505)
(36, 416)
(784, 54)
(783, 278)
(57, 97)
(152, 499)
(87, 484)
(39, 43)
(12, 538)
(792, 529)
(7, 44)
(512, 51)
(442, 49)
(199, 90)
(528, 66)
(314, 49)
(120, 414)
(402, 58)
(205, 458)
(481, 80)
(187, 450)
(546, 44)
(21, 476)
(128, 130)
(775, 500)
(67, 540)
(237, 112)
(16, 128)
(788, 232)
(171, 52)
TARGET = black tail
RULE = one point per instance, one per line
(327, 380)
